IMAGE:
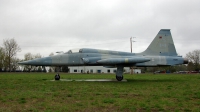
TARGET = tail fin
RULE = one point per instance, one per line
(162, 44)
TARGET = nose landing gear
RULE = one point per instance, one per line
(57, 76)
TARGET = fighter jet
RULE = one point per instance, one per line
(161, 52)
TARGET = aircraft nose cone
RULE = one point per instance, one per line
(21, 63)
(185, 61)
(26, 62)
(37, 62)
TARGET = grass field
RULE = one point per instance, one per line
(146, 92)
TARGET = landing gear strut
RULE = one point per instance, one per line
(119, 73)
(57, 76)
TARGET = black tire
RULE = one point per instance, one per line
(57, 77)
(119, 78)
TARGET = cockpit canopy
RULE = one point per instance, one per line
(74, 51)
(89, 50)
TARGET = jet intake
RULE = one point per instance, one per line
(91, 60)
(123, 60)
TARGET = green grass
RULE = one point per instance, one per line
(36, 92)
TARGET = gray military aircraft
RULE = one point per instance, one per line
(161, 52)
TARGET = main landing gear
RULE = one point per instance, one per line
(119, 73)
(119, 78)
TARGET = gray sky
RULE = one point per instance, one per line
(45, 26)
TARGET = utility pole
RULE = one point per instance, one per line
(131, 41)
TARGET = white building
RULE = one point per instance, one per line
(137, 71)
(98, 69)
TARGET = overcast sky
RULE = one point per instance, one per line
(45, 26)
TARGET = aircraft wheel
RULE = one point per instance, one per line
(119, 78)
(57, 77)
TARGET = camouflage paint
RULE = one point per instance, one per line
(161, 52)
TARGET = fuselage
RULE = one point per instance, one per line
(93, 57)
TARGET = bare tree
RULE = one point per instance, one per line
(38, 55)
(15, 64)
(11, 48)
(194, 57)
(2, 57)
(28, 56)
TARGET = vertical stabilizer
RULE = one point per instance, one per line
(162, 44)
